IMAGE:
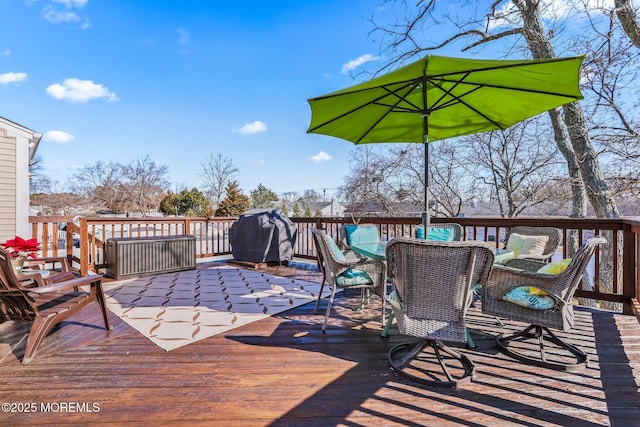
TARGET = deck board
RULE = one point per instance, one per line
(283, 371)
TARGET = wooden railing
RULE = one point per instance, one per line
(84, 242)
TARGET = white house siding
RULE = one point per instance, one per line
(7, 185)
(17, 147)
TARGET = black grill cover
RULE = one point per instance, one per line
(263, 235)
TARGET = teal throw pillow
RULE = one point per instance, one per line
(353, 277)
(522, 296)
(362, 234)
(440, 234)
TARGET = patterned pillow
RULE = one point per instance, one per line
(522, 296)
(353, 277)
(524, 245)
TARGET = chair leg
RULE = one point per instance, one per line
(543, 334)
(103, 306)
(328, 312)
(402, 364)
(387, 326)
(39, 330)
(315, 310)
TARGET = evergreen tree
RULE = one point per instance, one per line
(170, 204)
(307, 212)
(193, 202)
(296, 209)
(187, 203)
(262, 197)
(234, 203)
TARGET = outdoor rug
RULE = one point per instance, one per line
(176, 309)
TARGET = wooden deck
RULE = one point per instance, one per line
(283, 371)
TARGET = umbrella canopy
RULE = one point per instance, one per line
(440, 97)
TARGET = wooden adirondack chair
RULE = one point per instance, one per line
(45, 303)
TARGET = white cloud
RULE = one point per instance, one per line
(251, 128)
(320, 157)
(5, 52)
(355, 63)
(69, 4)
(259, 162)
(76, 90)
(8, 78)
(58, 17)
(57, 136)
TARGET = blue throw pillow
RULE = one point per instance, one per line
(361, 234)
(353, 277)
(441, 234)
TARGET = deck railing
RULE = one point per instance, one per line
(614, 270)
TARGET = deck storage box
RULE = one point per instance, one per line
(135, 256)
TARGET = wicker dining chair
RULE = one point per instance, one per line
(552, 234)
(432, 290)
(543, 301)
(46, 304)
(340, 271)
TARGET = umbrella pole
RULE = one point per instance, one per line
(426, 217)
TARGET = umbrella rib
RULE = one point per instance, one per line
(403, 84)
(495, 86)
(410, 84)
(459, 99)
(391, 109)
(516, 64)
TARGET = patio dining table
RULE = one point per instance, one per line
(375, 251)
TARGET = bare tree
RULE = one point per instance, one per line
(611, 75)
(515, 163)
(628, 20)
(311, 196)
(67, 204)
(102, 182)
(144, 184)
(366, 188)
(39, 182)
(217, 172)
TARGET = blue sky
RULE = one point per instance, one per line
(178, 80)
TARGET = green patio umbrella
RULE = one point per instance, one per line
(440, 97)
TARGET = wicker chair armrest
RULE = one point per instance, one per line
(524, 264)
(352, 262)
(503, 279)
(542, 257)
